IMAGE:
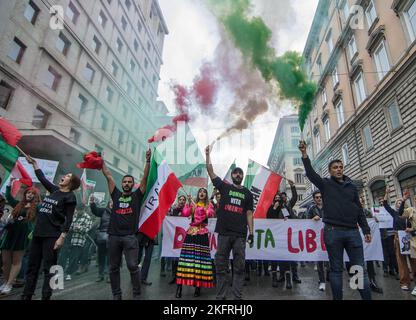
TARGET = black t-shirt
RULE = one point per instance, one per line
(233, 207)
(56, 211)
(125, 214)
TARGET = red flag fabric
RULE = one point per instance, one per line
(9, 132)
(19, 172)
(92, 160)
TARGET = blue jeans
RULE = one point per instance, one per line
(336, 240)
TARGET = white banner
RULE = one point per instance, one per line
(384, 218)
(275, 240)
(404, 242)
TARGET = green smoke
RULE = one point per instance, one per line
(252, 36)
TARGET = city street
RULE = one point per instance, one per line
(84, 287)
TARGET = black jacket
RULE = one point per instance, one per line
(104, 214)
(341, 201)
(273, 213)
(398, 223)
(289, 205)
(314, 211)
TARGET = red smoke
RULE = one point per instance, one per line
(181, 97)
(205, 87)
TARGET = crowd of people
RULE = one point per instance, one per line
(41, 232)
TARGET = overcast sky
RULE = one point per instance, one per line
(193, 38)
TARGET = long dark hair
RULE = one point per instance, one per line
(206, 201)
(31, 212)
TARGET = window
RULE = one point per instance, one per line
(382, 61)
(394, 115)
(128, 4)
(329, 41)
(96, 45)
(17, 50)
(89, 73)
(98, 148)
(368, 139)
(327, 129)
(294, 129)
(297, 161)
(299, 178)
(104, 122)
(318, 141)
(109, 94)
(136, 45)
(116, 162)
(102, 19)
(120, 139)
(63, 44)
(300, 197)
(335, 79)
(319, 64)
(123, 23)
(324, 97)
(346, 10)
(31, 13)
(133, 148)
(130, 170)
(125, 111)
(148, 45)
(83, 104)
(74, 135)
(114, 67)
(52, 78)
(119, 45)
(146, 63)
(371, 13)
(72, 13)
(345, 154)
(128, 88)
(139, 26)
(410, 19)
(339, 109)
(295, 143)
(6, 93)
(359, 88)
(40, 118)
(143, 83)
(352, 47)
(132, 65)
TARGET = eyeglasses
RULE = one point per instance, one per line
(318, 197)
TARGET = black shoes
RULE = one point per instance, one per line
(25, 298)
(179, 292)
(275, 283)
(296, 279)
(197, 292)
(117, 297)
(288, 281)
(375, 288)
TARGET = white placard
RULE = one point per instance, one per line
(404, 242)
(285, 212)
(384, 218)
(275, 240)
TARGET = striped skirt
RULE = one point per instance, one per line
(195, 266)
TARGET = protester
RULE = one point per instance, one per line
(102, 236)
(343, 213)
(145, 245)
(388, 241)
(80, 226)
(409, 218)
(123, 228)
(316, 213)
(18, 232)
(233, 217)
(175, 211)
(88, 250)
(52, 224)
(370, 264)
(400, 224)
(195, 263)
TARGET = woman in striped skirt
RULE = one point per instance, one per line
(195, 267)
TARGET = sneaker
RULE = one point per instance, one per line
(322, 286)
(404, 288)
(414, 292)
(68, 278)
(315, 268)
(6, 289)
(2, 287)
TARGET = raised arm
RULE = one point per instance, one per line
(310, 173)
(95, 210)
(110, 180)
(210, 168)
(10, 199)
(143, 183)
(294, 198)
(39, 174)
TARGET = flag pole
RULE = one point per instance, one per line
(21, 151)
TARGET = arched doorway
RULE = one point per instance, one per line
(378, 190)
(407, 180)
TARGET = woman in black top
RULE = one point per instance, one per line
(53, 221)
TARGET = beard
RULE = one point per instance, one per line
(237, 181)
(127, 189)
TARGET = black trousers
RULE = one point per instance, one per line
(74, 257)
(102, 253)
(147, 259)
(130, 246)
(288, 266)
(41, 250)
(390, 261)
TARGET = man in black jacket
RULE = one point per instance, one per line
(102, 236)
(343, 214)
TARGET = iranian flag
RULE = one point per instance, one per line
(19, 172)
(9, 138)
(197, 177)
(228, 179)
(162, 188)
(263, 184)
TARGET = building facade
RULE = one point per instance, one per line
(78, 75)
(362, 54)
(285, 159)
